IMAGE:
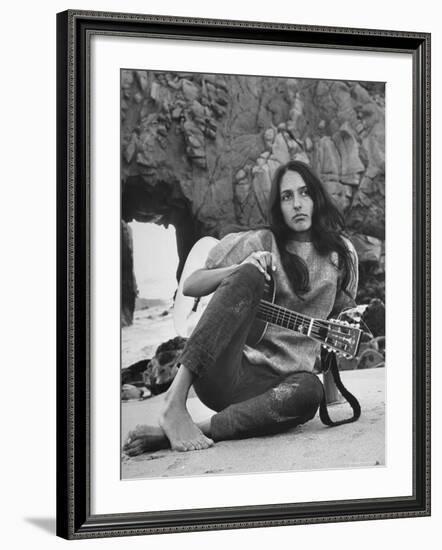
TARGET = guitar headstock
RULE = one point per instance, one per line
(343, 338)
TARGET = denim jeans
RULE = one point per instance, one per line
(250, 400)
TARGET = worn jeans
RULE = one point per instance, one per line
(250, 400)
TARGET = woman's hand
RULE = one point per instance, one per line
(262, 260)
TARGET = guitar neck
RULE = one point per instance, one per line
(283, 317)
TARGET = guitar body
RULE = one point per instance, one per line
(187, 310)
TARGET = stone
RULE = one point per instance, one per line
(131, 392)
(190, 91)
(374, 317)
(328, 160)
(217, 109)
(341, 194)
(269, 137)
(143, 80)
(197, 109)
(129, 290)
(131, 149)
(185, 144)
(261, 184)
(155, 90)
(280, 151)
(127, 79)
(369, 249)
(221, 83)
(348, 148)
(370, 359)
(173, 82)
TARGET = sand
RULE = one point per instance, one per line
(308, 447)
(151, 327)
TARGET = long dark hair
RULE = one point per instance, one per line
(326, 230)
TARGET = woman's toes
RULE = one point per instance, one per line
(128, 445)
(130, 436)
(133, 450)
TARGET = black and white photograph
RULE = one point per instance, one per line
(222, 259)
(252, 274)
(243, 270)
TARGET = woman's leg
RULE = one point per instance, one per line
(214, 352)
(184, 435)
(293, 401)
(211, 360)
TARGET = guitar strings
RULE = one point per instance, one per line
(292, 323)
(280, 313)
(284, 313)
(289, 322)
(333, 341)
(282, 316)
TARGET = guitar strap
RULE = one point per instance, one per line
(329, 362)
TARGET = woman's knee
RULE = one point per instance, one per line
(247, 277)
(300, 396)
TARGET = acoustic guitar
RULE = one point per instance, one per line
(333, 334)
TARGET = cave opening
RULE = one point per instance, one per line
(158, 231)
(155, 257)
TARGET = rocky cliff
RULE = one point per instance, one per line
(199, 151)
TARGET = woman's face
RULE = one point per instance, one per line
(296, 205)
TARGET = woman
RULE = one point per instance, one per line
(271, 387)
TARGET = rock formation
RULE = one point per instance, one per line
(199, 151)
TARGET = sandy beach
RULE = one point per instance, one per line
(308, 447)
(151, 326)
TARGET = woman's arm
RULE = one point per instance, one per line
(205, 281)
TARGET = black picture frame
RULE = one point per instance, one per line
(74, 518)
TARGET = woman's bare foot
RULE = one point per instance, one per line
(176, 426)
(187, 435)
(181, 431)
(145, 439)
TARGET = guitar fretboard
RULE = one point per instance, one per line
(277, 315)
